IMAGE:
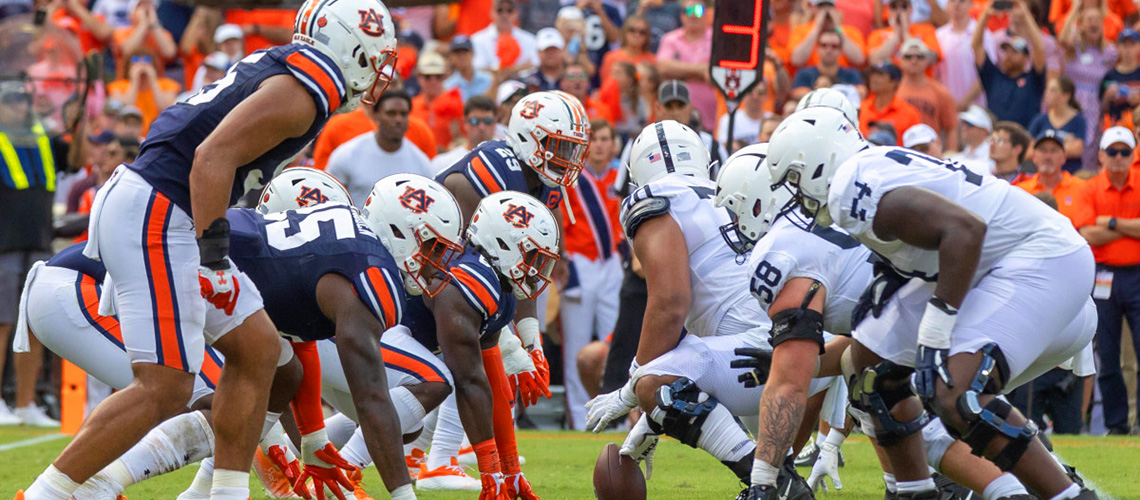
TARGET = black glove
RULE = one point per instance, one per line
(759, 360)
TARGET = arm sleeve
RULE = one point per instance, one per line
(306, 403)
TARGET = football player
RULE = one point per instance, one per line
(159, 226)
(987, 266)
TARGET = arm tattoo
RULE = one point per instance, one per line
(780, 417)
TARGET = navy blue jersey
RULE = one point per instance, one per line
(480, 286)
(492, 167)
(168, 151)
(72, 258)
(287, 253)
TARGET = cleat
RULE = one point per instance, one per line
(1086, 494)
(6, 415)
(950, 490)
(356, 477)
(35, 416)
(449, 477)
(756, 492)
(790, 485)
(415, 462)
(920, 495)
(808, 454)
(19, 493)
(272, 479)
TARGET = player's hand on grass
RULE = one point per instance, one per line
(641, 443)
(604, 408)
(518, 487)
(291, 469)
(324, 465)
(827, 465)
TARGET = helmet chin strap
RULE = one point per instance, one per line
(823, 216)
(566, 203)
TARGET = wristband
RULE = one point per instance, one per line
(1112, 223)
(214, 245)
(488, 456)
(529, 333)
(937, 324)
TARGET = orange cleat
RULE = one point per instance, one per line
(448, 477)
(19, 495)
(275, 483)
(356, 477)
(415, 462)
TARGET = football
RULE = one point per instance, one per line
(617, 477)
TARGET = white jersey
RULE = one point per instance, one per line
(826, 254)
(721, 304)
(1018, 225)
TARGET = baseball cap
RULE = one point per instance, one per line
(431, 63)
(1115, 135)
(549, 37)
(508, 89)
(977, 117)
(461, 42)
(571, 12)
(130, 111)
(228, 31)
(1049, 135)
(889, 68)
(217, 60)
(919, 134)
(1017, 43)
(1128, 34)
(821, 2)
(912, 44)
(881, 138)
(673, 90)
(103, 137)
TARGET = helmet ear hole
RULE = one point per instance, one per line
(362, 60)
(396, 231)
(502, 244)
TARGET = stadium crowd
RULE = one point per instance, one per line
(1044, 94)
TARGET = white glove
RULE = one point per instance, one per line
(515, 359)
(640, 444)
(606, 407)
(827, 465)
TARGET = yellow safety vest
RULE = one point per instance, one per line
(12, 160)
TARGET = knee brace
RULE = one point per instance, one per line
(685, 409)
(984, 423)
(878, 389)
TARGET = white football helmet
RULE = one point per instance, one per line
(301, 187)
(664, 148)
(744, 186)
(808, 147)
(830, 98)
(520, 237)
(420, 224)
(359, 36)
(550, 132)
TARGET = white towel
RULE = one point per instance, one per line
(21, 342)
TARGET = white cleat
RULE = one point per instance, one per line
(192, 495)
(6, 415)
(449, 477)
(35, 416)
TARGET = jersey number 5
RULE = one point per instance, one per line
(287, 233)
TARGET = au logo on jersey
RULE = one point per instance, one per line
(371, 23)
(518, 216)
(310, 197)
(530, 110)
(416, 200)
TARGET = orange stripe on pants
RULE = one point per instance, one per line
(167, 340)
(89, 297)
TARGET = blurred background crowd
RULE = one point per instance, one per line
(1040, 93)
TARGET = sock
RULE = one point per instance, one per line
(448, 436)
(340, 429)
(271, 419)
(276, 437)
(764, 473)
(937, 441)
(204, 479)
(889, 481)
(1071, 492)
(404, 492)
(51, 485)
(1004, 486)
(408, 408)
(176, 442)
(834, 438)
(504, 422)
(230, 485)
(355, 451)
(916, 486)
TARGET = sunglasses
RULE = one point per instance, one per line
(1113, 152)
(829, 45)
(505, 10)
(696, 11)
(576, 76)
(638, 31)
(140, 59)
(477, 121)
(912, 57)
(431, 77)
(900, 6)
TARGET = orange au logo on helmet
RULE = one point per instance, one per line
(518, 215)
(371, 23)
(310, 197)
(530, 110)
(322, 22)
(416, 200)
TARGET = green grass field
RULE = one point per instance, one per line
(560, 466)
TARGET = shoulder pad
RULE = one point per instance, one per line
(640, 211)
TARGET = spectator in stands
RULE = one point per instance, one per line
(344, 127)
(924, 139)
(118, 151)
(441, 109)
(619, 94)
(212, 69)
(589, 306)
(263, 28)
(883, 104)
(1088, 57)
(198, 41)
(129, 122)
(1008, 146)
(684, 55)
(957, 69)
(1063, 115)
(928, 12)
(116, 13)
(144, 89)
(576, 82)
(1116, 14)
(674, 104)
(634, 46)
(537, 14)
(662, 17)
(89, 27)
(977, 129)
(768, 127)
(551, 62)
(1108, 216)
(934, 103)
(1120, 89)
(828, 54)
(1018, 90)
(571, 25)
(465, 17)
(746, 126)
(478, 126)
(1049, 158)
(503, 47)
(648, 81)
(362, 161)
(601, 28)
(146, 35)
(805, 42)
(884, 43)
(509, 94)
(780, 25)
(470, 81)
(94, 153)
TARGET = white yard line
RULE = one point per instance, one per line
(33, 441)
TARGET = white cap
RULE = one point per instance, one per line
(217, 60)
(919, 134)
(508, 89)
(912, 44)
(228, 31)
(571, 12)
(1115, 135)
(977, 117)
(549, 37)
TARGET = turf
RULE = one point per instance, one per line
(560, 466)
